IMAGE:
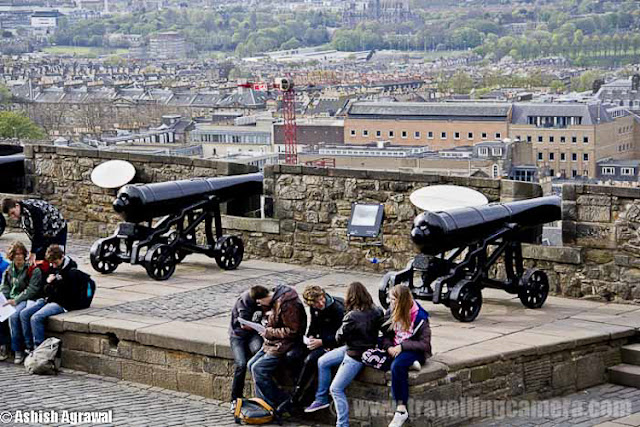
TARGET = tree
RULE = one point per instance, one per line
(5, 95)
(461, 82)
(16, 125)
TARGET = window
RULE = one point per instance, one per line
(528, 138)
(551, 139)
(574, 157)
(443, 135)
(391, 134)
(430, 135)
(552, 172)
(496, 171)
(574, 172)
(563, 157)
(552, 156)
(540, 138)
(585, 157)
(574, 139)
(404, 134)
(626, 171)
(416, 135)
(484, 151)
(563, 139)
(608, 171)
(470, 135)
(497, 151)
(540, 156)
(353, 132)
(498, 135)
(365, 133)
(484, 135)
(378, 133)
(518, 138)
(585, 139)
(456, 135)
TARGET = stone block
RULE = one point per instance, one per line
(196, 383)
(568, 192)
(81, 342)
(78, 322)
(595, 235)
(594, 200)
(123, 329)
(599, 256)
(165, 378)
(137, 372)
(480, 374)
(182, 361)
(217, 366)
(563, 254)
(591, 371)
(569, 211)
(221, 389)
(149, 355)
(80, 360)
(184, 336)
(590, 213)
(568, 232)
(564, 375)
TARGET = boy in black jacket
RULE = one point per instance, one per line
(60, 297)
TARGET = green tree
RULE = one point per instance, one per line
(16, 125)
(5, 95)
(461, 82)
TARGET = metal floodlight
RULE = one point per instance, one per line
(366, 220)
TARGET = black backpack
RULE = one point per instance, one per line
(84, 288)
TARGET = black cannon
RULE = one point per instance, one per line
(459, 247)
(181, 208)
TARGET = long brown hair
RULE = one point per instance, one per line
(358, 298)
(17, 246)
(401, 313)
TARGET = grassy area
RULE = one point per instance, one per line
(83, 51)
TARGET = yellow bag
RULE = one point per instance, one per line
(253, 411)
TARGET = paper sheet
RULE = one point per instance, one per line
(255, 326)
(306, 340)
(5, 310)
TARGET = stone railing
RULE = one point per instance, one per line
(63, 176)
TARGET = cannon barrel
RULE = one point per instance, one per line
(436, 232)
(143, 202)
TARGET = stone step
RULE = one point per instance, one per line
(631, 354)
(624, 374)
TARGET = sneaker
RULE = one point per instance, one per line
(316, 406)
(4, 353)
(399, 418)
(19, 358)
(416, 366)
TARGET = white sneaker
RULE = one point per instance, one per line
(232, 406)
(4, 352)
(398, 419)
(19, 360)
(416, 366)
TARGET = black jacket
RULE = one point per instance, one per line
(359, 331)
(419, 342)
(244, 308)
(63, 290)
(325, 323)
(41, 221)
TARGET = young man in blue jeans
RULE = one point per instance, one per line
(60, 297)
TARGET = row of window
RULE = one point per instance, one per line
(563, 172)
(608, 170)
(563, 156)
(417, 134)
(625, 129)
(625, 147)
(552, 138)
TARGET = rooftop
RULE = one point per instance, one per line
(430, 110)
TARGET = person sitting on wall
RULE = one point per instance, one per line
(327, 313)
(245, 341)
(60, 296)
(406, 338)
(285, 328)
(19, 285)
(43, 223)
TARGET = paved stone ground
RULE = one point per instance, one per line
(593, 407)
(132, 404)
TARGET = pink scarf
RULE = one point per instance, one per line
(402, 335)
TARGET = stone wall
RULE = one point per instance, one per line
(63, 176)
(600, 229)
(313, 206)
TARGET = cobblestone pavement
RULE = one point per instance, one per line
(210, 301)
(606, 405)
(132, 404)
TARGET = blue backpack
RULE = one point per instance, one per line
(4, 264)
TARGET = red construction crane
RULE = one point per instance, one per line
(285, 86)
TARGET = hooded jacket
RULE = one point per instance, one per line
(326, 322)
(286, 323)
(63, 290)
(22, 285)
(419, 341)
(244, 308)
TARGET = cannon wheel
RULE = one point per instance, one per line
(228, 252)
(465, 301)
(103, 255)
(160, 262)
(534, 288)
(385, 287)
(180, 254)
(3, 224)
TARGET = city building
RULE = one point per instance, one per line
(44, 22)
(438, 125)
(311, 132)
(167, 45)
(618, 170)
(223, 141)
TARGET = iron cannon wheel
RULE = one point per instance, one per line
(465, 301)
(3, 224)
(385, 287)
(534, 288)
(104, 255)
(180, 254)
(229, 252)
(160, 262)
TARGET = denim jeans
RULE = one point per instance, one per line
(33, 320)
(243, 348)
(308, 372)
(59, 239)
(400, 375)
(17, 341)
(262, 367)
(348, 370)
